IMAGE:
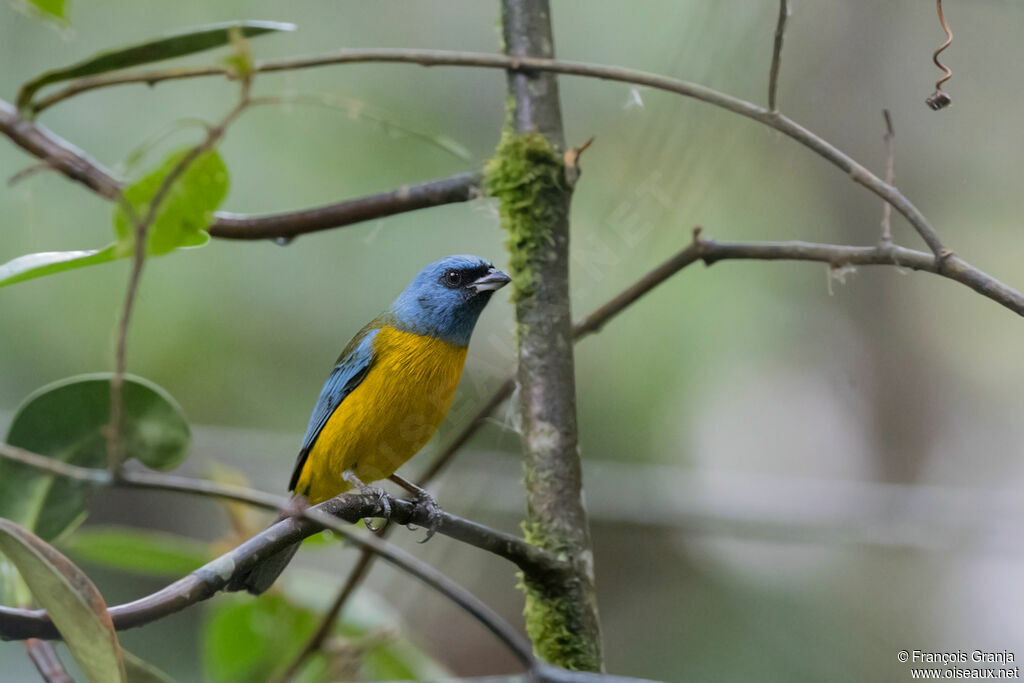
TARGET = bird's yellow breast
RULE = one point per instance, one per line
(387, 418)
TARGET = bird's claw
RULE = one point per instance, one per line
(428, 504)
(383, 500)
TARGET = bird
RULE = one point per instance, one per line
(388, 392)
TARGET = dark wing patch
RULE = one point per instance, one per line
(350, 370)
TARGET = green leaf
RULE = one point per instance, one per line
(13, 590)
(66, 420)
(49, 262)
(71, 600)
(142, 552)
(140, 671)
(251, 640)
(181, 219)
(54, 10)
(186, 209)
(173, 45)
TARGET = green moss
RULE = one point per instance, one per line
(552, 618)
(527, 177)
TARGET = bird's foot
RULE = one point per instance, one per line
(383, 499)
(424, 503)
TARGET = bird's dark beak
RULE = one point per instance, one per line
(493, 280)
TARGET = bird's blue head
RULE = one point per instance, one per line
(446, 298)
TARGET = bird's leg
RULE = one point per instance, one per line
(381, 494)
(424, 499)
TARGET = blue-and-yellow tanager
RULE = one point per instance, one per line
(389, 389)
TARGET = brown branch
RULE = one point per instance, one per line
(522, 554)
(857, 172)
(773, 74)
(60, 155)
(19, 624)
(46, 661)
(457, 188)
(57, 153)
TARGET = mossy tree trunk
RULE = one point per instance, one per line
(529, 178)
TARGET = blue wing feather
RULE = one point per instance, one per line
(351, 368)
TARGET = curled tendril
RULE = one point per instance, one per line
(940, 98)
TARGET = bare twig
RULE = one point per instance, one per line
(857, 172)
(46, 661)
(890, 175)
(773, 74)
(61, 156)
(457, 188)
(42, 462)
(57, 152)
(142, 226)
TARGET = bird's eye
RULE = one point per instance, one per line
(453, 278)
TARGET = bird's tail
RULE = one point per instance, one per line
(261, 577)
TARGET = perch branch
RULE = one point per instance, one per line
(206, 581)
(522, 554)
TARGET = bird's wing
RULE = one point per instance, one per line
(351, 368)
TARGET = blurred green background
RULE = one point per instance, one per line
(791, 477)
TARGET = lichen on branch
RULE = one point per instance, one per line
(527, 177)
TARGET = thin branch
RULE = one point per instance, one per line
(214, 576)
(60, 155)
(779, 122)
(773, 74)
(46, 661)
(142, 226)
(890, 175)
(457, 188)
(57, 153)
(525, 556)
(42, 462)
